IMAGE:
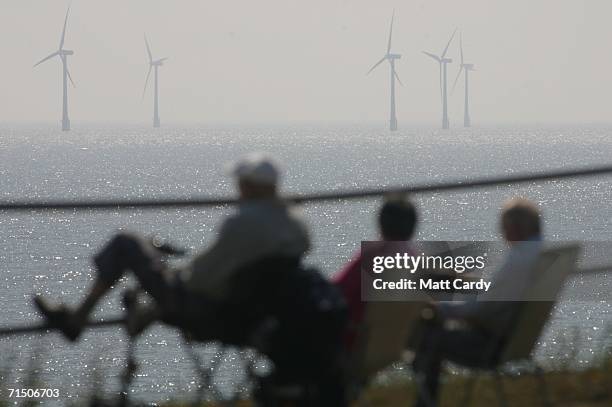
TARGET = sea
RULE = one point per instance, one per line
(49, 252)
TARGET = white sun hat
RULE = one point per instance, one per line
(257, 168)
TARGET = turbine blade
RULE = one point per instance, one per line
(461, 46)
(146, 81)
(148, 49)
(449, 43)
(63, 57)
(161, 59)
(376, 64)
(397, 77)
(434, 56)
(70, 77)
(457, 78)
(61, 45)
(390, 32)
(56, 53)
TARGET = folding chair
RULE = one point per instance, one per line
(381, 340)
(550, 273)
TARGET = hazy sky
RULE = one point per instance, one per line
(283, 60)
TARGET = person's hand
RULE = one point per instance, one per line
(166, 248)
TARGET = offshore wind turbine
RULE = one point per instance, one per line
(391, 57)
(63, 54)
(466, 68)
(153, 64)
(443, 62)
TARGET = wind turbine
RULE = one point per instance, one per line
(153, 64)
(63, 54)
(442, 62)
(391, 58)
(466, 68)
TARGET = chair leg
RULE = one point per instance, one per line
(469, 390)
(128, 374)
(205, 375)
(499, 386)
(250, 360)
(544, 394)
(422, 391)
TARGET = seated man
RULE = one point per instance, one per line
(480, 324)
(195, 298)
(397, 220)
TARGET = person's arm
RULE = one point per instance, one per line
(507, 286)
(238, 243)
(212, 264)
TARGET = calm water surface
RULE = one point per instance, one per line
(50, 252)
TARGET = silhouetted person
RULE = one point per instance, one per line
(397, 220)
(470, 333)
(197, 296)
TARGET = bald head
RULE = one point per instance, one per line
(520, 220)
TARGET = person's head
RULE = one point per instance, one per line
(520, 220)
(257, 176)
(397, 219)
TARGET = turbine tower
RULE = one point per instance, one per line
(466, 68)
(63, 54)
(153, 64)
(391, 58)
(442, 62)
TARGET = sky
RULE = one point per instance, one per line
(265, 61)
